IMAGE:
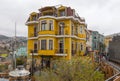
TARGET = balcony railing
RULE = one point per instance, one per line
(73, 52)
(34, 19)
(61, 51)
(61, 32)
(33, 51)
(74, 33)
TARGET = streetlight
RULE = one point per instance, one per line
(32, 69)
(13, 54)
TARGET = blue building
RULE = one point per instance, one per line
(97, 41)
(21, 51)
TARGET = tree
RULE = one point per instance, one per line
(77, 69)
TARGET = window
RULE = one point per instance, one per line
(50, 25)
(62, 13)
(35, 47)
(39, 29)
(81, 29)
(50, 44)
(43, 44)
(43, 25)
(81, 46)
(35, 30)
(94, 37)
(34, 18)
(76, 45)
(72, 29)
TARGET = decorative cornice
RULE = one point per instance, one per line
(57, 36)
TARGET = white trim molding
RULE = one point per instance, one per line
(57, 54)
(62, 17)
(34, 53)
(58, 36)
(31, 22)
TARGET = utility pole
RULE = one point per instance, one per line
(14, 49)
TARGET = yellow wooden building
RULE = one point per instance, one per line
(55, 33)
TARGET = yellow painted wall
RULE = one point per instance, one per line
(30, 30)
(68, 40)
(30, 45)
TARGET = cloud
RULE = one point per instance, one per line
(100, 15)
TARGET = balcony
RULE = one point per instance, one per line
(32, 21)
(61, 52)
(73, 52)
(62, 33)
(34, 52)
(74, 33)
(48, 11)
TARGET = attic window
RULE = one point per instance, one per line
(62, 13)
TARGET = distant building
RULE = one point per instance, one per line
(96, 41)
(109, 38)
(88, 41)
(114, 49)
(107, 42)
(21, 51)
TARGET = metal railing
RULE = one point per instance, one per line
(73, 52)
(61, 51)
(114, 67)
(112, 77)
(62, 32)
(33, 51)
(74, 33)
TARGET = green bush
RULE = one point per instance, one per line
(77, 69)
(3, 68)
(20, 60)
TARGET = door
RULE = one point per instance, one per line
(35, 47)
(61, 30)
(35, 31)
(61, 46)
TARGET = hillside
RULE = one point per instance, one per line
(3, 37)
(7, 43)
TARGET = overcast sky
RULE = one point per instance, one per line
(100, 15)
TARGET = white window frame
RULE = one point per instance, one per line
(52, 25)
(41, 25)
(81, 49)
(48, 44)
(41, 44)
(63, 43)
(81, 29)
(36, 43)
(72, 31)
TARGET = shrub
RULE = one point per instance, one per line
(77, 69)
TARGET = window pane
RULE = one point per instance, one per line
(81, 46)
(81, 29)
(50, 44)
(43, 44)
(51, 25)
(62, 13)
(43, 25)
